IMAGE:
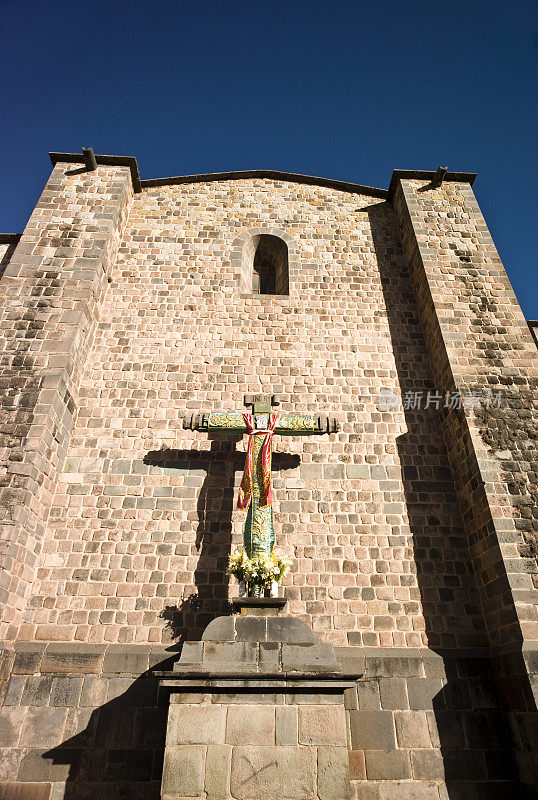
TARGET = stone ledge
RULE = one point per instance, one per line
(258, 602)
(75, 658)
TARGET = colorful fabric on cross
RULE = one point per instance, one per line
(245, 490)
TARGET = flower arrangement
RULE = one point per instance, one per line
(260, 571)
(238, 564)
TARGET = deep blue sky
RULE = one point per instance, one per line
(346, 89)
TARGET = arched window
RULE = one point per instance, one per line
(270, 265)
(265, 261)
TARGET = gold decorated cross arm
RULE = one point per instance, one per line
(288, 424)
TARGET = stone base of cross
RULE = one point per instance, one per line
(260, 424)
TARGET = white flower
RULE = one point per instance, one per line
(260, 570)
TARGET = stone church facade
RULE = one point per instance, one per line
(127, 304)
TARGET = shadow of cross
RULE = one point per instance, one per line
(210, 474)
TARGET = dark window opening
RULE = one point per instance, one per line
(270, 267)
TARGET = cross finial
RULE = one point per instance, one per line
(261, 403)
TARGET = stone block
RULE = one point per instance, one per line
(290, 630)
(148, 726)
(412, 729)
(14, 690)
(124, 764)
(269, 654)
(126, 660)
(250, 698)
(59, 791)
(286, 725)
(217, 654)
(191, 653)
(65, 691)
(351, 659)
(368, 696)
(11, 724)
(43, 727)
(446, 729)
(72, 659)
(322, 725)
(220, 629)
(25, 791)
(36, 766)
(111, 727)
(94, 691)
(309, 658)
(427, 765)
(422, 691)
(196, 724)
(362, 790)
(251, 629)
(118, 689)
(393, 664)
(250, 725)
(393, 693)
(351, 700)
(273, 773)
(501, 765)
(333, 773)
(141, 693)
(322, 698)
(183, 771)
(160, 658)
(10, 762)
(28, 661)
(357, 765)
(401, 790)
(358, 471)
(82, 723)
(37, 690)
(218, 766)
(383, 765)
(434, 665)
(372, 730)
(464, 765)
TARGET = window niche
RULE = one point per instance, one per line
(264, 264)
(270, 266)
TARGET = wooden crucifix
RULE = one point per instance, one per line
(260, 424)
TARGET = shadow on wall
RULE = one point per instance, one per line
(6, 258)
(472, 731)
(119, 754)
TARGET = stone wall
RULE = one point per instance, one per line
(143, 515)
(479, 341)
(425, 725)
(82, 721)
(50, 293)
(85, 720)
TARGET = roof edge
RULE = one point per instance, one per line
(10, 238)
(106, 161)
(138, 184)
(293, 177)
(424, 175)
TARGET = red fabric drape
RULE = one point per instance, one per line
(245, 489)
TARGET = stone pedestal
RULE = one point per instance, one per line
(257, 712)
